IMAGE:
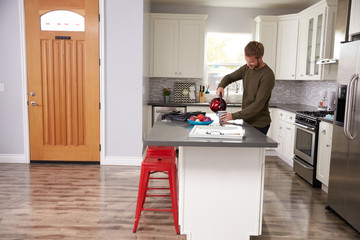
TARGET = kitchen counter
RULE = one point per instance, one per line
(175, 133)
(174, 104)
(287, 107)
(220, 181)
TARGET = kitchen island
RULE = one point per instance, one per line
(221, 181)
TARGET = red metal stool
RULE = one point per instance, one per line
(152, 164)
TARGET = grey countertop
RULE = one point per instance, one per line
(176, 133)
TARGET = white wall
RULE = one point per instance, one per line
(123, 81)
(11, 104)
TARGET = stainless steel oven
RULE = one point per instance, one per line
(304, 153)
(305, 138)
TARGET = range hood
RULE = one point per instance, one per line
(341, 31)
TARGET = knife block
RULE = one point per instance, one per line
(201, 97)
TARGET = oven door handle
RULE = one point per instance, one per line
(303, 165)
(306, 127)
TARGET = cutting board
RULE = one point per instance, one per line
(209, 131)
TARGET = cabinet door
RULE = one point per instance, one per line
(266, 32)
(165, 47)
(289, 135)
(315, 27)
(199, 108)
(355, 17)
(191, 49)
(286, 49)
(324, 153)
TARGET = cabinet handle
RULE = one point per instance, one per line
(293, 75)
(327, 145)
(301, 75)
(288, 128)
(323, 131)
(179, 73)
(175, 73)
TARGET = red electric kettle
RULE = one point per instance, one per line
(218, 104)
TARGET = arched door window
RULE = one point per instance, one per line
(61, 20)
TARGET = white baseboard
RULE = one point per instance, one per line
(119, 160)
(13, 158)
(270, 152)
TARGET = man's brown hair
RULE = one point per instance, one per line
(254, 48)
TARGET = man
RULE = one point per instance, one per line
(258, 82)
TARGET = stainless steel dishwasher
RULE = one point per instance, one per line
(159, 110)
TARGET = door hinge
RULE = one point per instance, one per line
(99, 106)
(99, 17)
(100, 147)
(99, 62)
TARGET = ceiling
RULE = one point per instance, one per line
(295, 4)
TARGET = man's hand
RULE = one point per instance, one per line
(220, 90)
(226, 117)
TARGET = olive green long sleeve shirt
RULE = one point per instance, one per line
(258, 85)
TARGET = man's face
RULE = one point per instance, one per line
(252, 62)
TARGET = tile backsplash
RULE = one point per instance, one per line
(301, 92)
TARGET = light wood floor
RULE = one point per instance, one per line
(85, 201)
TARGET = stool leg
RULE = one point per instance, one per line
(173, 192)
(144, 179)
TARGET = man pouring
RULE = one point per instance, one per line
(258, 82)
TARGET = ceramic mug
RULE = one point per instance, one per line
(219, 113)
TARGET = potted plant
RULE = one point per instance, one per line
(166, 94)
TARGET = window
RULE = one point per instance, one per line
(61, 20)
(225, 54)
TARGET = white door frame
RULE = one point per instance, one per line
(26, 158)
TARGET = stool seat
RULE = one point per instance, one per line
(161, 151)
(158, 160)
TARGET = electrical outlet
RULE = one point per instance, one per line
(287, 93)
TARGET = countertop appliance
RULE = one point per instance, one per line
(344, 179)
(157, 110)
(306, 140)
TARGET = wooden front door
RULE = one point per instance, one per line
(63, 80)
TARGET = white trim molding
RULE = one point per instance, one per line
(123, 161)
(24, 82)
(13, 158)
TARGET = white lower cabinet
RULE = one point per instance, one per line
(324, 152)
(283, 132)
(207, 109)
(198, 108)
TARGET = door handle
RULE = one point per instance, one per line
(349, 107)
(33, 103)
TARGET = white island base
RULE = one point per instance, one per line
(220, 192)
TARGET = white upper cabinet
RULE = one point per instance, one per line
(354, 27)
(177, 45)
(316, 42)
(286, 48)
(266, 33)
(302, 39)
